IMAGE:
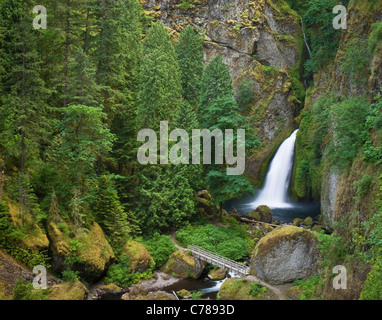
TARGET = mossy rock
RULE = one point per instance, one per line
(112, 288)
(255, 215)
(317, 228)
(93, 255)
(73, 290)
(36, 239)
(218, 274)
(286, 254)
(265, 214)
(182, 265)
(139, 257)
(297, 222)
(161, 295)
(184, 293)
(242, 289)
(308, 222)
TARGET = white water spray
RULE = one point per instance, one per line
(275, 191)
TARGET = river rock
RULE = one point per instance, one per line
(262, 213)
(218, 274)
(139, 258)
(286, 254)
(182, 265)
(73, 290)
(94, 252)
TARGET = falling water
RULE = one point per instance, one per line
(275, 191)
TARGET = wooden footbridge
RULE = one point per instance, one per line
(219, 261)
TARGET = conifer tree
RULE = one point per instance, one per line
(82, 88)
(216, 82)
(190, 54)
(24, 95)
(186, 119)
(110, 213)
(160, 89)
(219, 110)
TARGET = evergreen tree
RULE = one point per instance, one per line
(84, 139)
(186, 119)
(190, 54)
(166, 199)
(219, 110)
(216, 82)
(110, 213)
(82, 87)
(159, 79)
(24, 94)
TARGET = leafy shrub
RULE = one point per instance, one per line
(69, 275)
(121, 275)
(308, 287)
(23, 291)
(257, 290)
(196, 295)
(350, 126)
(160, 248)
(362, 186)
(233, 242)
(355, 60)
(375, 38)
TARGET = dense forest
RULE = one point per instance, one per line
(75, 95)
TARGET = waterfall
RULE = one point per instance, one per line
(274, 193)
(305, 40)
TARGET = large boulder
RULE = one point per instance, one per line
(74, 290)
(36, 239)
(91, 251)
(139, 258)
(286, 254)
(182, 265)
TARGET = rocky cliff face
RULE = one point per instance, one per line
(340, 201)
(260, 41)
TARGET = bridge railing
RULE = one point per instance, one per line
(218, 260)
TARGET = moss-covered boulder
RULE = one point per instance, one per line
(255, 215)
(90, 250)
(297, 222)
(139, 258)
(262, 213)
(185, 294)
(244, 289)
(73, 290)
(36, 239)
(218, 274)
(161, 295)
(182, 265)
(286, 254)
(308, 222)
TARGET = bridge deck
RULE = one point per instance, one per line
(219, 261)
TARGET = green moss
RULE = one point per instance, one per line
(243, 289)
